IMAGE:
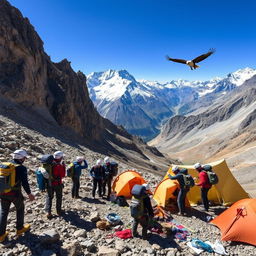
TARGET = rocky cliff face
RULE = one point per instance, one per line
(220, 112)
(29, 77)
(53, 93)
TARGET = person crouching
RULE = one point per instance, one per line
(141, 209)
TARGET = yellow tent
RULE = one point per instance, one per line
(226, 192)
(125, 181)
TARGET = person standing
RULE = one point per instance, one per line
(54, 185)
(204, 184)
(184, 189)
(141, 209)
(108, 177)
(15, 196)
(79, 165)
(97, 173)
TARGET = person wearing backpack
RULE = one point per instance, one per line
(14, 195)
(97, 173)
(79, 165)
(141, 209)
(54, 184)
(204, 184)
(108, 177)
(186, 182)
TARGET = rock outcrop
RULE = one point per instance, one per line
(54, 94)
(28, 77)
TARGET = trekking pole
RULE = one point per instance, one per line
(238, 215)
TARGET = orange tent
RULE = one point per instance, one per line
(125, 181)
(166, 193)
(238, 223)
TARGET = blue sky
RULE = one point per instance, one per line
(96, 35)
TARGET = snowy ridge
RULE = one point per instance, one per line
(119, 97)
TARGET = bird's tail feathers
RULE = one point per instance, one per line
(196, 66)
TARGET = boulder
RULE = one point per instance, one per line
(95, 217)
(80, 233)
(50, 236)
(105, 251)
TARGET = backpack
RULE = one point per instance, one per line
(212, 176)
(46, 159)
(188, 181)
(114, 168)
(47, 164)
(138, 190)
(71, 170)
(7, 177)
(111, 170)
(40, 180)
(137, 207)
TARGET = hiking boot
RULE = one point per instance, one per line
(135, 234)
(145, 237)
(60, 213)
(2, 237)
(49, 216)
(25, 228)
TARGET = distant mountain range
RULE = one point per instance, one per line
(142, 106)
(224, 129)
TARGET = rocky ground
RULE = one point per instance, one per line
(75, 233)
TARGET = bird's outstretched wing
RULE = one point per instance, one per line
(176, 60)
(203, 56)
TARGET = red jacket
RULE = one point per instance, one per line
(58, 172)
(203, 180)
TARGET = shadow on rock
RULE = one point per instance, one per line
(163, 242)
(92, 201)
(202, 215)
(35, 245)
(75, 219)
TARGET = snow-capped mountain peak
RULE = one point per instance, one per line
(141, 106)
(241, 75)
(113, 84)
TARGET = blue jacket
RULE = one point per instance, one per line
(78, 167)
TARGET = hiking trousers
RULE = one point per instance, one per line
(144, 222)
(181, 199)
(107, 182)
(75, 186)
(18, 201)
(204, 196)
(49, 197)
(97, 183)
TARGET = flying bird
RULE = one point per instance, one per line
(192, 63)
